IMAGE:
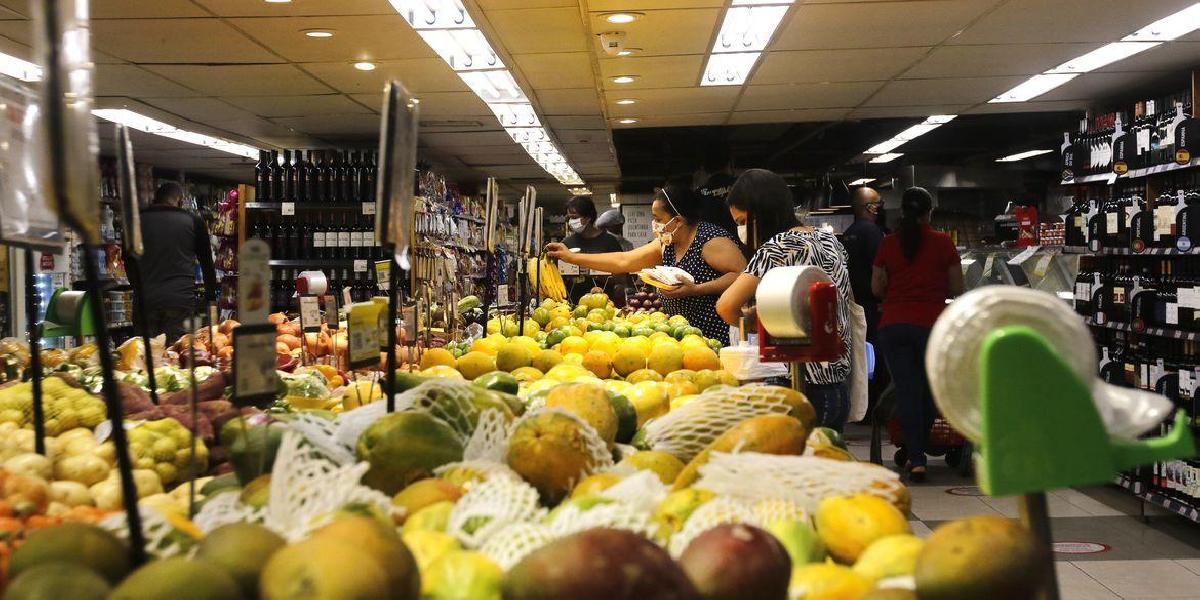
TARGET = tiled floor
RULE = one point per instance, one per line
(1159, 559)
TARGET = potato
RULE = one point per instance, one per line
(31, 464)
(70, 493)
(87, 469)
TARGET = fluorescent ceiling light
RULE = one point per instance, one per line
(434, 14)
(628, 51)
(19, 69)
(462, 49)
(622, 79)
(538, 147)
(364, 66)
(629, 121)
(1168, 28)
(622, 18)
(728, 69)
(1033, 87)
(318, 33)
(748, 28)
(759, 2)
(627, 101)
(579, 191)
(146, 124)
(523, 135)
(1023, 155)
(886, 158)
(863, 181)
(494, 86)
(515, 115)
(929, 124)
(1104, 55)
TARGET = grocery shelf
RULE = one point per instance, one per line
(1183, 509)
(1106, 178)
(319, 262)
(1110, 178)
(355, 207)
(1148, 252)
(1165, 332)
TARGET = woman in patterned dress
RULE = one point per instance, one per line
(708, 253)
(764, 199)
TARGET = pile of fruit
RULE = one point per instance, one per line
(644, 301)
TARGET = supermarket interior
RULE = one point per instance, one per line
(599, 299)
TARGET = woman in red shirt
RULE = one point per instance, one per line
(916, 269)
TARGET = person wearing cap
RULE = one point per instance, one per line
(613, 222)
(682, 239)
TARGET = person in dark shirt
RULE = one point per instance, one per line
(862, 241)
(589, 239)
(718, 170)
(174, 241)
(613, 222)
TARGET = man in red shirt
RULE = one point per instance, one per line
(915, 271)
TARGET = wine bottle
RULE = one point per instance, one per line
(262, 177)
(289, 178)
(302, 170)
(367, 180)
(276, 178)
(318, 239)
(320, 178)
(343, 249)
(351, 182)
(356, 240)
(337, 173)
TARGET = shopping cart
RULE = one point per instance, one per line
(943, 439)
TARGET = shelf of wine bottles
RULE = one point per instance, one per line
(361, 285)
(1133, 218)
(1150, 136)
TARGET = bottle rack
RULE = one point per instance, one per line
(1135, 141)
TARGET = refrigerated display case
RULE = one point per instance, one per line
(1051, 269)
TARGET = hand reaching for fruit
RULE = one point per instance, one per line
(557, 251)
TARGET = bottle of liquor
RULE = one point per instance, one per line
(320, 178)
(1143, 298)
(350, 185)
(337, 174)
(1167, 310)
(276, 178)
(344, 251)
(278, 237)
(369, 239)
(318, 238)
(1083, 288)
(289, 178)
(367, 179)
(356, 239)
(302, 172)
(262, 177)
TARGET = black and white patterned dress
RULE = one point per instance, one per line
(820, 249)
(701, 311)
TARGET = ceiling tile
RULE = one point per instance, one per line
(1172, 56)
(652, 72)
(510, 4)
(1107, 21)
(556, 70)
(877, 24)
(676, 120)
(1007, 59)
(457, 123)
(20, 32)
(299, 8)
(568, 102)
(296, 106)
(349, 124)
(13, 9)
(648, 5)
(668, 100)
(576, 122)
(808, 95)
(531, 171)
(966, 90)
(889, 112)
(419, 76)
(1093, 86)
(450, 140)
(177, 41)
(1034, 106)
(453, 103)
(144, 9)
(815, 66)
(202, 110)
(129, 80)
(523, 31)
(663, 32)
(567, 137)
(244, 80)
(377, 37)
(743, 117)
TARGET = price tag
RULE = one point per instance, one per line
(287, 209)
(254, 279)
(310, 313)
(383, 274)
(331, 312)
(364, 335)
(254, 365)
(1043, 265)
(1024, 255)
(382, 303)
(409, 316)
(368, 208)
(502, 295)
(567, 268)
(360, 266)
(346, 301)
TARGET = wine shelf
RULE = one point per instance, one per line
(1149, 252)
(1179, 507)
(353, 207)
(1111, 178)
(1164, 332)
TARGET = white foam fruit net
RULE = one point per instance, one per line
(322, 434)
(489, 440)
(491, 505)
(688, 430)
(306, 487)
(804, 480)
(513, 542)
(599, 457)
(642, 490)
(226, 508)
(162, 540)
(572, 518)
(718, 511)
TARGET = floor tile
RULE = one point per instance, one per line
(920, 529)
(1059, 507)
(1087, 503)
(1074, 584)
(1143, 578)
(1127, 538)
(1191, 564)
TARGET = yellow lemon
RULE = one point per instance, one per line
(574, 344)
(442, 371)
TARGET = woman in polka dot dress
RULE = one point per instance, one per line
(708, 253)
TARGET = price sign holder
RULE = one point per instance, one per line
(383, 274)
(331, 321)
(254, 278)
(310, 322)
(363, 338)
(254, 365)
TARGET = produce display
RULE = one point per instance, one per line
(588, 453)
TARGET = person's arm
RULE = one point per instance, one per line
(205, 258)
(637, 259)
(879, 281)
(723, 256)
(954, 274)
(737, 295)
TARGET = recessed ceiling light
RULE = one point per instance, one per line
(627, 121)
(622, 17)
(278, 1)
(318, 33)
(364, 66)
(624, 79)
(627, 101)
(629, 51)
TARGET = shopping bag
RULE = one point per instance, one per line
(858, 362)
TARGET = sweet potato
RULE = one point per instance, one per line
(227, 326)
(292, 341)
(133, 398)
(277, 318)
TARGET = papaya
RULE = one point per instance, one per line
(403, 381)
(551, 453)
(404, 447)
(589, 402)
(627, 418)
(500, 381)
(767, 434)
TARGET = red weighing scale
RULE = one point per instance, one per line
(797, 317)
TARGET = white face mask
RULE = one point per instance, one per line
(576, 225)
(660, 231)
(743, 234)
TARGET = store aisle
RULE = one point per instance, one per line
(1105, 551)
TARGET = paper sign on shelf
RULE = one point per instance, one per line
(287, 209)
(1043, 265)
(566, 268)
(502, 295)
(310, 313)
(346, 300)
(331, 312)
(368, 208)
(253, 285)
(254, 364)
(364, 334)
(383, 274)
(360, 266)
